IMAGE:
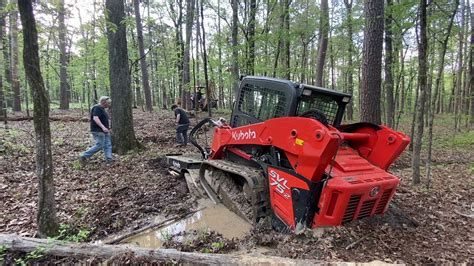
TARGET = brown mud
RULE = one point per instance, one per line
(209, 218)
(424, 226)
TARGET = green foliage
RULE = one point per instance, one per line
(76, 165)
(217, 245)
(33, 255)
(10, 145)
(165, 235)
(450, 140)
(67, 233)
(3, 252)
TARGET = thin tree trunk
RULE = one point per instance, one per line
(123, 137)
(64, 89)
(208, 89)
(85, 82)
(143, 63)
(235, 51)
(219, 54)
(323, 42)
(7, 51)
(350, 64)
(471, 70)
(3, 106)
(178, 23)
(413, 118)
(94, 60)
(190, 4)
(251, 38)
(15, 83)
(422, 82)
(196, 67)
(46, 215)
(331, 61)
(390, 108)
(372, 62)
(285, 44)
(459, 74)
(439, 76)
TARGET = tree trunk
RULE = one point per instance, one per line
(46, 216)
(422, 83)
(235, 44)
(143, 63)
(331, 60)
(372, 62)
(251, 38)
(390, 109)
(323, 42)
(206, 77)
(178, 23)
(3, 106)
(15, 83)
(64, 90)
(93, 75)
(471, 70)
(350, 64)
(439, 76)
(458, 89)
(219, 54)
(122, 121)
(190, 5)
(6, 51)
(285, 39)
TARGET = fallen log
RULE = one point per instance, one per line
(51, 118)
(84, 250)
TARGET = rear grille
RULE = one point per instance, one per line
(366, 209)
(351, 209)
(383, 201)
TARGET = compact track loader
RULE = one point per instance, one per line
(285, 154)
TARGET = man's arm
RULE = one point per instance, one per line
(178, 116)
(97, 121)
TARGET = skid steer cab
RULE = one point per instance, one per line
(285, 154)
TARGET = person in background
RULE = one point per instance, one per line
(100, 130)
(182, 122)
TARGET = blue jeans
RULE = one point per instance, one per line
(102, 142)
(182, 134)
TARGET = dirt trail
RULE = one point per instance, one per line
(425, 227)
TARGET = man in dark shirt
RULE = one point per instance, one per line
(100, 131)
(182, 122)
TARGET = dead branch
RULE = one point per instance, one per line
(353, 244)
(64, 249)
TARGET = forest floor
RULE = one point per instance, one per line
(96, 201)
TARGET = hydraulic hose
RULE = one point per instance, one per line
(192, 138)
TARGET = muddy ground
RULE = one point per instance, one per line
(424, 225)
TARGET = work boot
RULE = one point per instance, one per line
(82, 160)
(110, 162)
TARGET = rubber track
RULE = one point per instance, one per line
(216, 176)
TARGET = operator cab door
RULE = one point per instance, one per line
(260, 99)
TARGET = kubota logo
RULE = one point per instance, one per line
(279, 183)
(249, 134)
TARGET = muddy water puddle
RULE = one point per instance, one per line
(210, 217)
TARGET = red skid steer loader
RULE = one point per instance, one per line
(286, 155)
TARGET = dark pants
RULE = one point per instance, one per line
(182, 134)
